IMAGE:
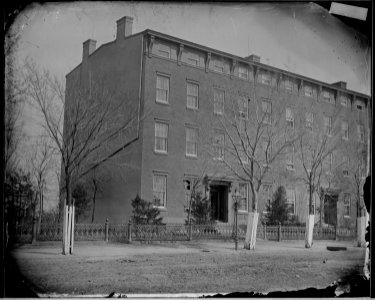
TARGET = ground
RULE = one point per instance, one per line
(184, 267)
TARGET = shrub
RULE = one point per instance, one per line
(82, 201)
(278, 211)
(144, 212)
(200, 209)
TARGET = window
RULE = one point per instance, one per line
(347, 205)
(344, 101)
(288, 84)
(291, 200)
(191, 142)
(218, 101)
(362, 169)
(290, 158)
(267, 112)
(243, 199)
(361, 133)
(345, 168)
(242, 154)
(330, 161)
(243, 108)
(193, 59)
(267, 196)
(266, 147)
(243, 72)
(309, 117)
(265, 78)
(219, 143)
(345, 130)
(161, 137)
(192, 95)
(289, 118)
(219, 66)
(327, 96)
(359, 105)
(160, 190)
(328, 125)
(162, 89)
(308, 91)
(164, 50)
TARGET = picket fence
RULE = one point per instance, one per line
(177, 232)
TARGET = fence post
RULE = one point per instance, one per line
(130, 231)
(190, 231)
(279, 231)
(106, 230)
(336, 232)
(34, 231)
(265, 231)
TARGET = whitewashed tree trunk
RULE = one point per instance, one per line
(251, 232)
(361, 231)
(309, 231)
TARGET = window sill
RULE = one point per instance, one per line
(161, 208)
(291, 169)
(242, 212)
(160, 153)
(162, 103)
(192, 109)
(191, 156)
(347, 217)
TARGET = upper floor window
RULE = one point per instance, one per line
(359, 105)
(162, 89)
(243, 108)
(327, 96)
(291, 200)
(308, 91)
(265, 78)
(193, 59)
(161, 137)
(191, 142)
(347, 205)
(267, 112)
(328, 125)
(159, 189)
(192, 95)
(344, 101)
(345, 167)
(361, 133)
(309, 118)
(290, 158)
(289, 117)
(329, 160)
(164, 50)
(345, 130)
(267, 196)
(244, 195)
(266, 148)
(219, 144)
(243, 72)
(242, 154)
(219, 101)
(288, 84)
(219, 66)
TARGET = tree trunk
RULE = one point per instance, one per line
(310, 221)
(68, 226)
(252, 222)
(40, 211)
(93, 201)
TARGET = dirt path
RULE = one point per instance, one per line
(207, 267)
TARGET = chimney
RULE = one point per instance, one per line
(253, 58)
(124, 27)
(341, 84)
(88, 47)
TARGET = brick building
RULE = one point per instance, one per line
(180, 90)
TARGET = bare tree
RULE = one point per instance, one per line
(257, 136)
(88, 126)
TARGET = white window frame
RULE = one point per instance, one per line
(345, 169)
(289, 116)
(242, 154)
(219, 101)
(361, 133)
(309, 121)
(161, 89)
(265, 78)
(290, 161)
(344, 101)
(243, 108)
(308, 91)
(219, 148)
(192, 59)
(267, 112)
(243, 72)
(359, 106)
(193, 142)
(267, 151)
(345, 130)
(165, 151)
(347, 206)
(193, 97)
(243, 197)
(163, 192)
(328, 125)
(288, 85)
(291, 193)
(327, 96)
(218, 66)
(166, 52)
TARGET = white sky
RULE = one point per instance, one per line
(299, 37)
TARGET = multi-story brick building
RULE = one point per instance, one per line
(180, 90)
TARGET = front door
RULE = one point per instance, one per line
(219, 203)
(330, 209)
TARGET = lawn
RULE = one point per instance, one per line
(183, 267)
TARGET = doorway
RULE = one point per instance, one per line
(219, 203)
(330, 209)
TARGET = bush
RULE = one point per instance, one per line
(82, 201)
(144, 212)
(200, 209)
(278, 211)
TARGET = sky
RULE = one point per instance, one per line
(298, 37)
